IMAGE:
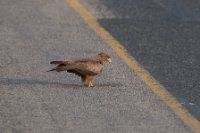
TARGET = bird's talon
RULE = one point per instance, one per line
(91, 85)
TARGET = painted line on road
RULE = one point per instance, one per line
(155, 86)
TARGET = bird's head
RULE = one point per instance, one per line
(105, 57)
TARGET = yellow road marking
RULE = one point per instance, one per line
(155, 86)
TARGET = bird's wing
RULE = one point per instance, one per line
(79, 67)
(64, 66)
(75, 72)
(87, 67)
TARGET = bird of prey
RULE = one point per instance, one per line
(87, 68)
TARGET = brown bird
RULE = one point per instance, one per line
(87, 69)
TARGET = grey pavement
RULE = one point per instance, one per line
(34, 32)
(163, 36)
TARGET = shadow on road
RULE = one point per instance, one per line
(20, 82)
(14, 82)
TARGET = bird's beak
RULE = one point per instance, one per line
(109, 60)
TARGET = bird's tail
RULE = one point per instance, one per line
(56, 62)
(61, 66)
(51, 70)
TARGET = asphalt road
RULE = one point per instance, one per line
(34, 32)
(163, 37)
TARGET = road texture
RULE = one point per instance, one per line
(34, 32)
(163, 37)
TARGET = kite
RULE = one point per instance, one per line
(87, 68)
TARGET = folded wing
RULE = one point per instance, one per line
(80, 68)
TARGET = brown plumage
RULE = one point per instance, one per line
(87, 69)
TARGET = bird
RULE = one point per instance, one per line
(86, 68)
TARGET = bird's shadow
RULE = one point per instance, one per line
(25, 82)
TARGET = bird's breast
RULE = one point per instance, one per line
(96, 68)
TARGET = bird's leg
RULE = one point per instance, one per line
(88, 81)
(85, 80)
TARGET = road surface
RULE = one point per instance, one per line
(163, 37)
(35, 32)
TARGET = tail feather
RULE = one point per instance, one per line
(61, 66)
(52, 70)
(56, 62)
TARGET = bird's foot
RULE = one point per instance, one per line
(91, 85)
